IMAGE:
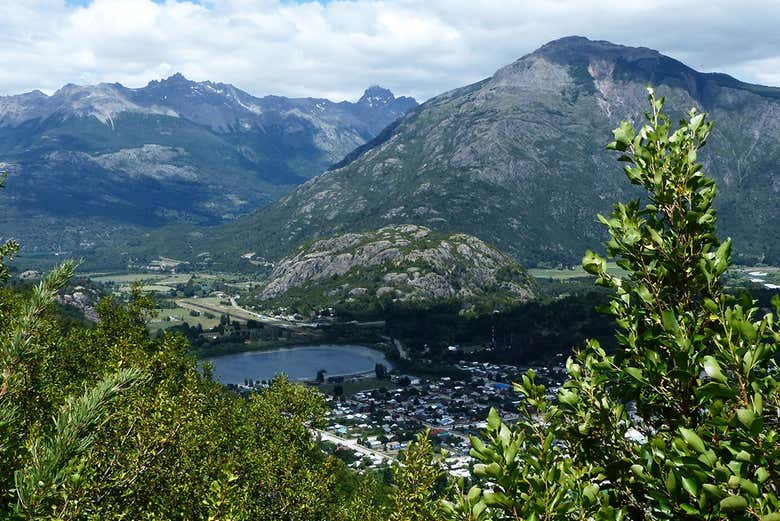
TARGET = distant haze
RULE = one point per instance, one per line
(334, 49)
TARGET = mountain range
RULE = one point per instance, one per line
(518, 159)
(90, 163)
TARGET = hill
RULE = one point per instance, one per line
(404, 263)
(518, 160)
(90, 163)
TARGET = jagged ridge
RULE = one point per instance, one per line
(89, 162)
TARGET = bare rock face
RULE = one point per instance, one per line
(82, 298)
(405, 263)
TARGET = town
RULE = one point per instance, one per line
(370, 427)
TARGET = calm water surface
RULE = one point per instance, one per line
(298, 363)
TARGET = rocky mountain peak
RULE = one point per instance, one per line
(584, 57)
(518, 159)
(177, 84)
(103, 101)
(33, 95)
(583, 61)
(572, 49)
(175, 79)
(375, 96)
(213, 151)
(74, 91)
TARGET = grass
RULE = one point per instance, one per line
(165, 285)
(241, 285)
(769, 270)
(736, 275)
(183, 315)
(182, 278)
(741, 274)
(167, 279)
(152, 288)
(565, 274)
(127, 278)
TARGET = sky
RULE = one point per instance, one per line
(337, 48)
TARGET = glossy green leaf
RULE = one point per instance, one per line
(692, 439)
(733, 504)
(746, 417)
(712, 368)
(670, 321)
(690, 486)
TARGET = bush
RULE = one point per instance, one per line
(682, 421)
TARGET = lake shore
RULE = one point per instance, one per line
(301, 363)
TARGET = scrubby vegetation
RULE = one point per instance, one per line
(406, 264)
(681, 422)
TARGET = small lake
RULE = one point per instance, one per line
(298, 363)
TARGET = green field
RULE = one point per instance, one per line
(166, 279)
(769, 274)
(765, 274)
(182, 278)
(241, 285)
(152, 288)
(574, 273)
(165, 285)
(158, 321)
(150, 282)
(126, 278)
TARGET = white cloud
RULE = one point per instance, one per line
(336, 49)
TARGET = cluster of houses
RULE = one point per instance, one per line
(383, 421)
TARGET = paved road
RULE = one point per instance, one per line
(244, 314)
(197, 306)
